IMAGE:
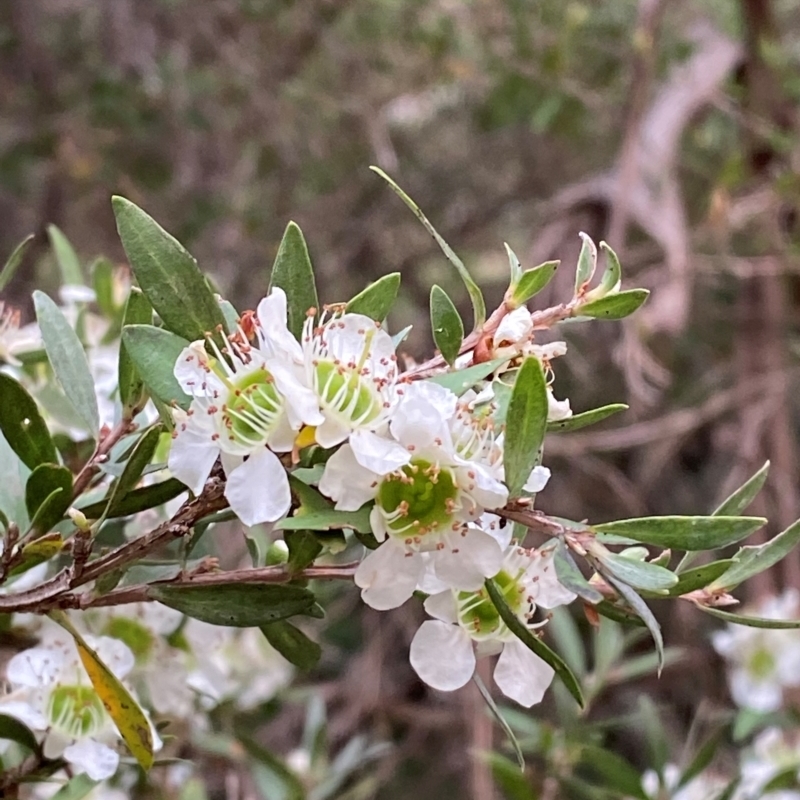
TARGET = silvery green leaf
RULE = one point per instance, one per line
(66, 257)
(532, 281)
(446, 325)
(744, 495)
(377, 299)
(578, 421)
(587, 263)
(13, 261)
(459, 381)
(615, 306)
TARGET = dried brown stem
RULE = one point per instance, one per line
(104, 446)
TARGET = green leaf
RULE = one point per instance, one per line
(478, 304)
(76, 788)
(612, 277)
(167, 274)
(138, 311)
(140, 499)
(377, 299)
(750, 622)
(23, 426)
(303, 549)
(446, 325)
(639, 574)
(459, 381)
(532, 282)
(587, 263)
(534, 644)
(514, 267)
(102, 272)
(310, 499)
(703, 757)
(753, 559)
(615, 771)
(37, 551)
(685, 533)
(614, 306)
(239, 605)
(578, 421)
(230, 313)
(699, 577)
(66, 257)
(48, 494)
(525, 424)
(141, 456)
(154, 352)
(645, 614)
(608, 609)
(14, 260)
(492, 706)
(328, 520)
(570, 576)
(292, 644)
(567, 637)
(292, 272)
(744, 495)
(68, 359)
(12, 730)
(129, 718)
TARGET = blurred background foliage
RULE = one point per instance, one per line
(670, 129)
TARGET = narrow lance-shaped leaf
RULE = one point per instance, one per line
(459, 381)
(129, 718)
(140, 499)
(534, 644)
(532, 281)
(578, 421)
(102, 272)
(68, 360)
(571, 577)
(13, 261)
(66, 257)
(23, 426)
(12, 730)
(292, 644)
(377, 299)
(744, 495)
(639, 574)
(138, 311)
(750, 622)
(514, 267)
(167, 273)
(292, 272)
(612, 277)
(587, 263)
(141, 456)
(48, 494)
(507, 729)
(154, 352)
(446, 325)
(475, 295)
(76, 788)
(644, 613)
(614, 306)
(699, 577)
(525, 424)
(328, 520)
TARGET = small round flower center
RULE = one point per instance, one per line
(417, 499)
(77, 711)
(252, 408)
(761, 664)
(347, 392)
(138, 638)
(476, 611)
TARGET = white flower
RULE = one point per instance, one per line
(701, 787)
(774, 751)
(51, 693)
(14, 338)
(441, 471)
(46, 790)
(762, 661)
(443, 651)
(514, 337)
(245, 409)
(351, 365)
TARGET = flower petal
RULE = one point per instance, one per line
(514, 328)
(331, 432)
(478, 481)
(377, 453)
(387, 576)
(193, 451)
(35, 667)
(97, 760)
(346, 481)
(441, 654)
(421, 416)
(546, 589)
(467, 559)
(521, 674)
(442, 606)
(258, 490)
(193, 373)
(537, 480)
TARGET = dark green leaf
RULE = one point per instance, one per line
(699, 577)
(140, 499)
(23, 426)
(525, 424)
(66, 257)
(292, 644)
(459, 381)
(11, 729)
(446, 325)
(478, 304)
(703, 757)
(68, 359)
(377, 299)
(492, 706)
(514, 784)
(238, 605)
(534, 644)
(587, 263)
(48, 494)
(138, 311)
(292, 272)
(310, 499)
(750, 622)
(514, 267)
(639, 574)
(607, 609)
(167, 274)
(615, 771)
(645, 614)
(154, 352)
(578, 421)
(532, 282)
(14, 260)
(614, 306)
(685, 533)
(303, 549)
(572, 578)
(328, 520)
(141, 456)
(744, 495)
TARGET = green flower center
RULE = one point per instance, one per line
(76, 710)
(252, 409)
(140, 640)
(477, 614)
(761, 664)
(344, 390)
(417, 499)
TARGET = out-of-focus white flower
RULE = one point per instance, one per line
(762, 661)
(45, 790)
(441, 471)
(51, 693)
(702, 787)
(514, 337)
(467, 625)
(774, 751)
(15, 338)
(244, 408)
(351, 365)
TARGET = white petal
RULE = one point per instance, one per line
(491, 524)
(346, 481)
(96, 760)
(429, 583)
(466, 561)
(302, 405)
(537, 480)
(35, 667)
(521, 674)
(557, 409)
(764, 696)
(71, 293)
(193, 373)
(25, 713)
(331, 432)
(442, 606)
(387, 576)
(114, 653)
(421, 416)
(377, 453)
(514, 327)
(546, 589)
(441, 654)
(479, 483)
(258, 490)
(193, 452)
